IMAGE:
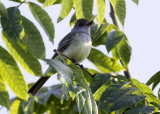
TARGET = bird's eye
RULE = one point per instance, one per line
(80, 25)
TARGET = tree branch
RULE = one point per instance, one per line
(115, 22)
(76, 63)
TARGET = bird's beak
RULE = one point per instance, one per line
(89, 23)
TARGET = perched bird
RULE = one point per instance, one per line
(76, 44)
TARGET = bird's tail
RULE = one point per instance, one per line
(35, 88)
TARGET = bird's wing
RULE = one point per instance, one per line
(64, 43)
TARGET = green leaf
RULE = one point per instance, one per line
(135, 1)
(113, 38)
(62, 69)
(43, 19)
(103, 62)
(159, 94)
(13, 25)
(146, 91)
(48, 3)
(143, 109)
(80, 102)
(19, 1)
(3, 10)
(22, 55)
(44, 94)
(98, 81)
(124, 51)
(101, 11)
(66, 6)
(119, 7)
(155, 79)
(33, 39)
(90, 104)
(83, 9)
(126, 101)
(99, 35)
(4, 97)
(12, 75)
(75, 90)
(73, 20)
(156, 105)
(111, 89)
(16, 107)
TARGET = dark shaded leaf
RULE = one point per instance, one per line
(124, 51)
(126, 101)
(155, 79)
(43, 19)
(4, 99)
(98, 81)
(119, 7)
(22, 56)
(33, 39)
(113, 38)
(143, 109)
(84, 9)
(108, 92)
(66, 6)
(103, 62)
(13, 25)
(11, 74)
(19, 1)
(99, 35)
(73, 20)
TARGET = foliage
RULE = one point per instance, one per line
(104, 93)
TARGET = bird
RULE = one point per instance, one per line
(76, 44)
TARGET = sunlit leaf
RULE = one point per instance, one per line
(13, 25)
(33, 39)
(3, 10)
(135, 1)
(83, 9)
(4, 97)
(101, 11)
(48, 3)
(146, 91)
(43, 19)
(103, 62)
(155, 79)
(66, 6)
(16, 107)
(22, 56)
(12, 75)
(119, 7)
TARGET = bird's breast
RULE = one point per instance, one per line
(80, 47)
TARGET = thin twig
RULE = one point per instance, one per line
(76, 63)
(115, 22)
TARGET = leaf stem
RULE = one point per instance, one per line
(115, 22)
(76, 63)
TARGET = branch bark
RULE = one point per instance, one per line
(115, 22)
